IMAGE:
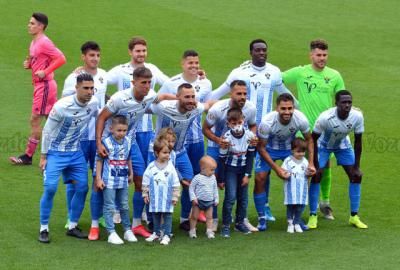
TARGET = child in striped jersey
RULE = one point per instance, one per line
(237, 160)
(204, 196)
(113, 175)
(160, 190)
(296, 184)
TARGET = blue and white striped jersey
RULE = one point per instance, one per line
(121, 76)
(124, 103)
(261, 84)
(334, 131)
(296, 187)
(115, 167)
(100, 89)
(66, 123)
(168, 115)
(161, 183)
(280, 136)
(202, 89)
(204, 188)
(216, 117)
(235, 154)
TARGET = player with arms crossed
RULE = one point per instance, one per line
(331, 132)
(316, 86)
(262, 79)
(179, 115)
(91, 58)
(44, 58)
(62, 154)
(276, 132)
(132, 103)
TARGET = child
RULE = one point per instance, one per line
(203, 193)
(296, 185)
(113, 175)
(160, 190)
(237, 162)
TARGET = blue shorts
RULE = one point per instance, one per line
(143, 140)
(195, 152)
(183, 166)
(138, 163)
(72, 166)
(89, 151)
(263, 166)
(343, 156)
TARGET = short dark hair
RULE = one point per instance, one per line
(84, 77)
(89, 45)
(184, 85)
(342, 93)
(135, 41)
(318, 44)
(234, 114)
(237, 82)
(142, 72)
(259, 40)
(284, 97)
(300, 144)
(188, 53)
(42, 18)
(119, 120)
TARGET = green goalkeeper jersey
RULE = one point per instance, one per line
(315, 89)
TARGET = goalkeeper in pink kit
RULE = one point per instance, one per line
(44, 58)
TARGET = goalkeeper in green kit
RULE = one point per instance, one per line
(316, 87)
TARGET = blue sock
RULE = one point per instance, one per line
(259, 202)
(69, 193)
(186, 205)
(46, 203)
(96, 204)
(78, 202)
(313, 197)
(138, 204)
(267, 186)
(355, 195)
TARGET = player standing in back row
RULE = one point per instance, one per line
(316, 86)
(44, 58)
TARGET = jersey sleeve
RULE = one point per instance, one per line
(192, 187)
(200, 108)
(320, 124)
(112, 76)
(69, 86)
(291, 76)
(224, 88)
(285, 164)
(51, 50)
(263, 130)
(212, 116)
(304, 125)
(359, 127)
(146, 177)
(339, 84)
(252, 116)
(113, 103)
(250, 135)
(159, 76)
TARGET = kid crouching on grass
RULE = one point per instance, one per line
(296, 185)
(237, 161)
(203, 193)
(113, 175)
(160, 190)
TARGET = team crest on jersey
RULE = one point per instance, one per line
(144, 105)
(101, 80)
(197, 88)
(77, 121)
(188, 115)
(349, 125)
(309, 77)
(267, 75)
(292, 129)
(166, 174)
(75, 113)
(327, 80)
(88, 110)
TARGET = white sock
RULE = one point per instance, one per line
(95, 224)
(72, 225)
(44, 227)
(136, 222)
(325, 202)
(181, 219)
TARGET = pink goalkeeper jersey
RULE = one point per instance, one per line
(42, 52)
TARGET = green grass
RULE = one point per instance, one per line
(364, 41)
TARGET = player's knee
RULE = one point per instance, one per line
(50, 190)
(81, 187)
